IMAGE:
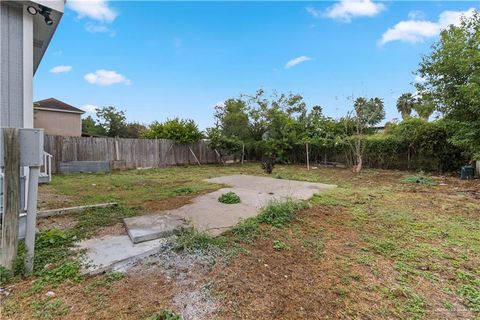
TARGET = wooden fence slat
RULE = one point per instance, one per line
(11, 210)
(135, 152)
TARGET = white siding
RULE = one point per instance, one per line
(11, 66)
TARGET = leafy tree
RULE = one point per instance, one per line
(424, 106)
(452, 77)
(223, 144)
(112, 121)
(135, 130)
(232, 119)
(91, 127)
(182, 131)
(405, 105)
(366, 113)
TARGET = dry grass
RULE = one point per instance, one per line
(372, 248)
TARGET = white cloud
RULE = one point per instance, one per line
(99, 28)
(296, 61)
(414, 30)
(106, 78)
(416, 15)
(93, 9)
(448, 18)
(346, 10)
(89, 108)
(410, 31)
(61, 69)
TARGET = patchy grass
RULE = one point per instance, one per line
(229, 198)
(191, 240)
(412, 249)
(279, 213)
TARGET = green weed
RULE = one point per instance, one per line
(229, 198)
(165, 315)
(191, 240)
(419, 179)
(279, 213)
(246, 231)
(280, 245)
(49, 309)
(182, 191)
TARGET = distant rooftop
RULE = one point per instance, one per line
(53, 104)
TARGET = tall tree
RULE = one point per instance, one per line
(232, 119)
(405, 105)
(113, 121)
(91, 127)
(452, 77)
(365, 114)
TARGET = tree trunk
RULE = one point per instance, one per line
(359, 165)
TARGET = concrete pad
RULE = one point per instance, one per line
(112, 253)
(206, 214)
(149, 227)
(281, 188)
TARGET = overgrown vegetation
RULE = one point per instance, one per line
(279, 213)
(419, 179)
(192, 240)
(179, 130)
(229, 198)
(414, 250)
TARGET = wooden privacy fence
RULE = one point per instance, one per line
(134, 152)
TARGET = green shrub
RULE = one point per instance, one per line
(278, 213)
(182, 131)
(419, 179)
(229, 198)
(53, 246)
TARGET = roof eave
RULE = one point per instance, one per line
(43, 33)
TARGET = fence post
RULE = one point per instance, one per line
(11, 208)
(243, 152)
(308, 160)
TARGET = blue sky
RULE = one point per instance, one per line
(158, 60)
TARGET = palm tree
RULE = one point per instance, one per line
(405, 104)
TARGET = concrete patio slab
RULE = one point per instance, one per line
(149, 227)
(206, 214)
(113, 253)
(280, 188)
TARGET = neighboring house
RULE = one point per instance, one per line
(57, 118)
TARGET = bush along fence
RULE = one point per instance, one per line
(127, 153)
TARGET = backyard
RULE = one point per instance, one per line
(383, 244)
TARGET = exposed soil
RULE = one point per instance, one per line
(48, 198)
(353, 256)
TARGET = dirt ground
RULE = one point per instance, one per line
(374, 248)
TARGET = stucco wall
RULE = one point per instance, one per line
(58, 123)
